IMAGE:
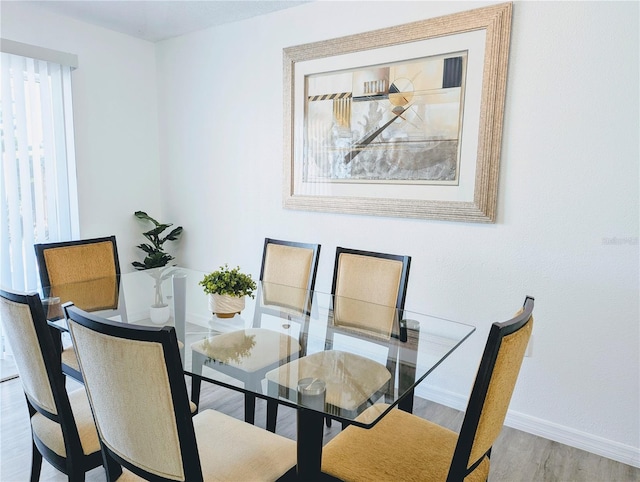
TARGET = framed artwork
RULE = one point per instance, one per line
(404, 121)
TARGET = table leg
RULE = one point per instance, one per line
(408, 358)
(310, 432)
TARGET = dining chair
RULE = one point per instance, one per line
(402, 446)
(363, 282)
(62, 427)
(285, 265)
(66, 267)
(136, 385)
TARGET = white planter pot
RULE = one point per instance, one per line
(159, 314)
(225, 306)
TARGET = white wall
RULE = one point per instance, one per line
(568, 186)
(116, 121)
(568, 182)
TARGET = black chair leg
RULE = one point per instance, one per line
(196, 383)
(328, 420)
(77, 475)
(249, 408)
(197, 363)
(407, 403)
(36, 463)
(111, 467)
(272, 415)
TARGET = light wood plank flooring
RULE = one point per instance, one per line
(517, 456)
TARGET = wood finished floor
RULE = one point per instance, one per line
(517, 456)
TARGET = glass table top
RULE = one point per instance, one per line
(306, 349)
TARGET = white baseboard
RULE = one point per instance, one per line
(543, 428)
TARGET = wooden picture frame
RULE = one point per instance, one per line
(404, 121)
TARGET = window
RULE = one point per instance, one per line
(37, 180)
(38, 195)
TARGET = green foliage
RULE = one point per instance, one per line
(155, 255)
(227, 281)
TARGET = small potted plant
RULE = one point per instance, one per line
(227, 289)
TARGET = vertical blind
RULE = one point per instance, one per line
(38, 176)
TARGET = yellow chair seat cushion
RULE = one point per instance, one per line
(350, 379)
(264, 346)
(50, 432)
(401, 446)
(231, 449)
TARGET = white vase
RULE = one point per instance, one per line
(225, 306)
(159, 314)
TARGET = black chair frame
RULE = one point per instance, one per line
(498, 331)
(166, 336)
(45, 281)
(76, 463)
(407, 402)
(482, 422)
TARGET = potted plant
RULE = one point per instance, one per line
(156, 256)
(227, 289)
(155, 261)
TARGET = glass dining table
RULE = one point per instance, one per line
(331, 357)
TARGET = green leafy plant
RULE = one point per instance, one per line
(225, 281)
(155, 255)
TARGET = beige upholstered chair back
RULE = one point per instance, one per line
(133, 406)
(287, 265)
(360, 278)
(288, 271)
(19, 329)
(368, 278)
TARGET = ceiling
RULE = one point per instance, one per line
(156, 20)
